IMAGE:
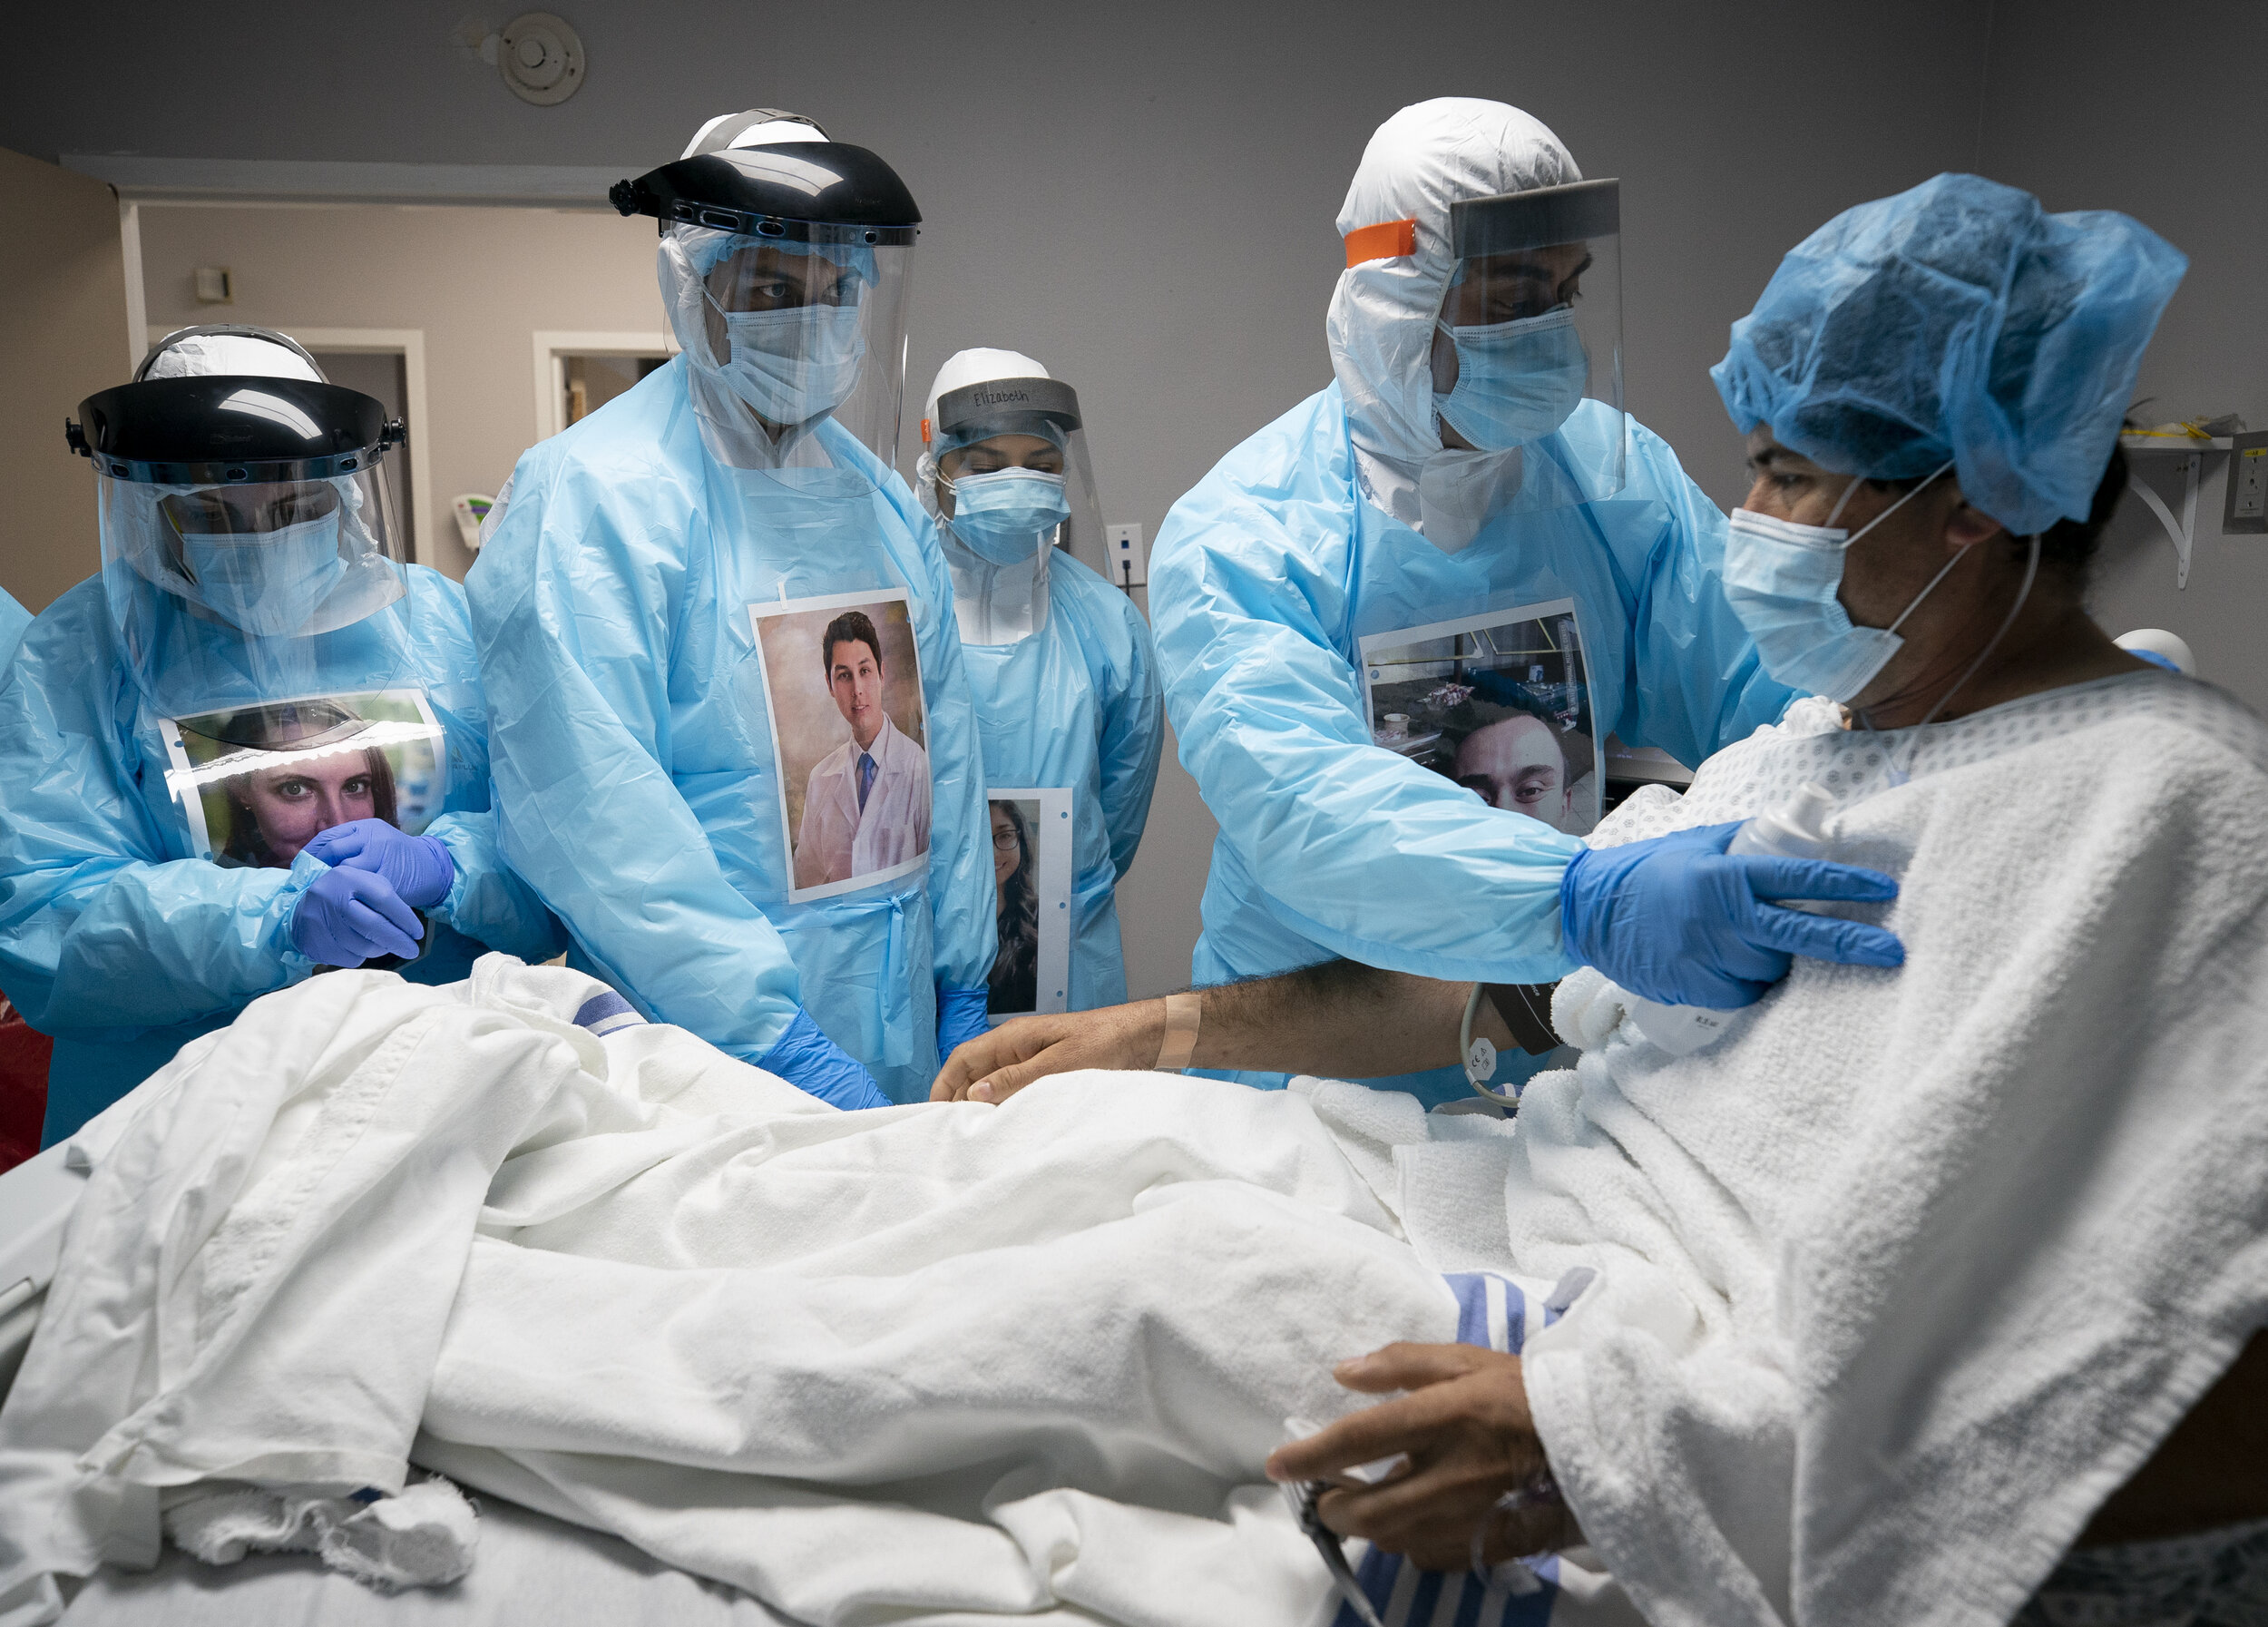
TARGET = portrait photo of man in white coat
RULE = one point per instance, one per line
(866, 803)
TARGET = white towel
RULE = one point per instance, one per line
(422, 1538)
(1912, 1269)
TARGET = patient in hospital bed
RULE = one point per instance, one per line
(1866, 1313)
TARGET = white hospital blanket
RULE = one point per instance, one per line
(1909, 1272)
(927, 1364)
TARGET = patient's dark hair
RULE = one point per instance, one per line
(2067, 547)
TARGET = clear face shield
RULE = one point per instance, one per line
(1007, 460)
(1528, 345)
(227, 597)
(803, 332)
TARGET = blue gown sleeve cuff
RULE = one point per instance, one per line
(961, 1016)
(486, 901)
(301, 876)
(806, 1058)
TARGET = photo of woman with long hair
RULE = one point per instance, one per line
(1015, 981)
(275, 811)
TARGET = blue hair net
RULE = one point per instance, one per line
(1958, 323)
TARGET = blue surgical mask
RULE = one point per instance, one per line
(795, 364)
(1781, 579)
(1517, 381)
(1007, 515)
(267, 583)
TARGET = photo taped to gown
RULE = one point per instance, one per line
(1031, 880)
(256, 783)
(843, 686)
(1500, 702)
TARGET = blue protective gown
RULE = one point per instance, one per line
(14, 620)
(1265, 578)
(1077, 704)
(636, 776)
(124, 947)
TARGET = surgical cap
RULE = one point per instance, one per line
(1958, 323)
(200, 355)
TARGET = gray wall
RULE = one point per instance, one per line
(2151, 112)
(1143, 196)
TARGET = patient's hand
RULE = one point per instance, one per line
(994, 1066)
(1467, 1432)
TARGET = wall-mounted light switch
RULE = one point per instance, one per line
(2247, 507)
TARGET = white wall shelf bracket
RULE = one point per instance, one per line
(2184, 533)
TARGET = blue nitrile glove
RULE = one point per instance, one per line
(347, 916)
(806, 1058)
(417, 868)
(959, 1017)
(1678, 920)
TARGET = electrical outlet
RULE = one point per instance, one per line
(2247, 507)
(1129, 566)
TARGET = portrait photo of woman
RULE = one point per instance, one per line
(1015, 981)
(271, 810)
(261, 782)
(276, 811)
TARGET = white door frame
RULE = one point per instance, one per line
(551, 346)
(137, 297)
(409, 344)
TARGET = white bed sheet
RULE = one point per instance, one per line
(532, 1572)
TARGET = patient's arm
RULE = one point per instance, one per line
(1468, 1439)
(2209, 1472)
(1338, 1019)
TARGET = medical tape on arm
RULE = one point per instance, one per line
(1183, 1013)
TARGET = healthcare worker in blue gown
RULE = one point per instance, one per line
(1472, 458)
(1060, 662)
(643, 788)
(254, 745)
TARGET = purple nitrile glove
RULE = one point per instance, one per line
(417, 868)
(348, 916)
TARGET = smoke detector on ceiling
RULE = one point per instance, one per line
(541, 58)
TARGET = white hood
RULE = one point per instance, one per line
(1381, 326)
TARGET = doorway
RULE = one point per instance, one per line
(578, 373)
